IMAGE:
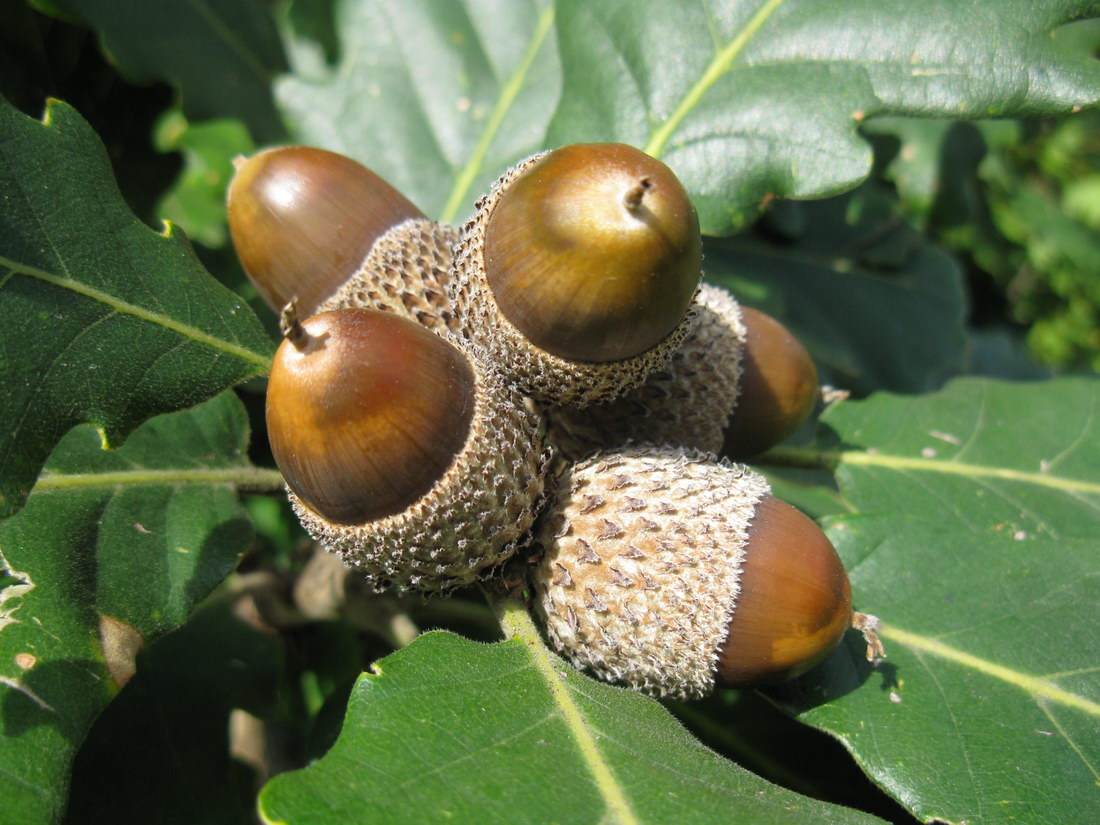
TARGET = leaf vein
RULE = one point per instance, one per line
(1037, 688)
(517, 623)
(143, 314)
(955, 467)
(717, 67)
(507, 96)
(1069, 740)
(254, 478)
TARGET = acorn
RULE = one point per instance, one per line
(670, 572)
(778, 387)
(321, 229)
(401, 452)
(577, 272)
(739, 383)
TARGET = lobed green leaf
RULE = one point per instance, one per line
(104, 321)
(748, 101)
(449, 729)
(973, 537)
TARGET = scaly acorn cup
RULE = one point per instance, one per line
(739, 383)
(578, 270)
(672, 573)
(686, 403)
(321, 229)
(406, 272)
(401, 452)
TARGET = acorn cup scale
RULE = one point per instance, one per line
(402, 453)
(738, 384)
(406, 271)
(672, 573)
(685, 403)
(577, 272)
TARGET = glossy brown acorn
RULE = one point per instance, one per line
(577, 272)
(365, 412)
(794, 604)
(411, 459)
(594, 252)
(302, 220)
(777, 389)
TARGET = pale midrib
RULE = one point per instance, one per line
(508, 94)
(516, 622)
(718, 66)
(253, 478)
(123, 307)
(893, 462)
(1032, 685)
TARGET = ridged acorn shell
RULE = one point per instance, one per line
(686, 403)
(642, 553)
(406, 271)
(544, 376)
(474, 518)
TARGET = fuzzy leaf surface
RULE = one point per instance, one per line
(103, 320)
(112, 549)
(449, 729)
(976, 512)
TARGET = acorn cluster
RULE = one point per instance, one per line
(552, 380)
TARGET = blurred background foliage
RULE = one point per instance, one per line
(1019, 203)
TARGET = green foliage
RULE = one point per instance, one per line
(544, 745)
(113, 549)
(1044, 199)
(105, 321)
(965, 508)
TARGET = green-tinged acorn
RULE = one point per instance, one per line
(319, 228)
(671, 573)
(402, 452)
(577, 272)
(739, 383)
